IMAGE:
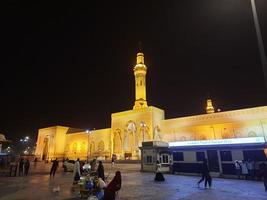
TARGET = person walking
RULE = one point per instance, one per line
(76, 170)
(237, 168)
(205, 174)
(54, 168)
(244, 169)
(263, 173)
(113, 187)
(100, 171)
(27, 166)
(21, 163)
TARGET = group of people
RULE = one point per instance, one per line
(104, 191)
(23, 166)
(249, 169)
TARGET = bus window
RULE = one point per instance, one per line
(178, 156)
(226, 156)
(200, 156)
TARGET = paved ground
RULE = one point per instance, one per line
(135, 185)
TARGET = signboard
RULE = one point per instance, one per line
(250, 140)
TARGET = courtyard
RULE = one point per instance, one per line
(135, 185)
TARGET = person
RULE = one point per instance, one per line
(205, 174)
(101, 185)
(93, 164)
(113, 160)
(244, 169)
(251, 169)
(54, 168)
(159, 176)
(263, 173)
(21, 163)
(13, 169)
(27, 167)
(237, 168)
(100, 171)
(76, 170)
(113, 187)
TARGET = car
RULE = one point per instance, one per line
(69, 165)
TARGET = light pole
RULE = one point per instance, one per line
(88, 145)
(260, 40)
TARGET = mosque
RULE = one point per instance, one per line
(147, 123)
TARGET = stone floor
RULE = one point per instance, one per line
(135, 185)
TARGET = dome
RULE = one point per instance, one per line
(2, 138)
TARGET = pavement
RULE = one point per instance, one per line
(135, 185)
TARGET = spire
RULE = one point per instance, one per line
(140, 80)
(140, 56)
(209, 108)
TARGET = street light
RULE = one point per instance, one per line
(260, 40)
(88, 146)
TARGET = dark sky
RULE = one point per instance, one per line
(71, 63)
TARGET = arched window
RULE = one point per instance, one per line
(101, 146)
(74, 147)
(117, 141)
(252, 134)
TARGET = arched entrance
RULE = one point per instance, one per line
(45, 149)
(130, 140)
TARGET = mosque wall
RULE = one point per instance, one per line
(130, 128)
(222, 125)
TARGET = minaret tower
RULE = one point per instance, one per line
(140, 82)
(209, 108)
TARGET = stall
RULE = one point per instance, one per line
(154, 151)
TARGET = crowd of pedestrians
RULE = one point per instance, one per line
(249, 169)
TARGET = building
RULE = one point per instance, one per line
(147, 123)
(4, 141)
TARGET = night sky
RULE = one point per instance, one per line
(71, 64)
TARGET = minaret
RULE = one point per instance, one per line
(209, 108)
(140, 82)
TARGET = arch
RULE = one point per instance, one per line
(74, 147)
(130, 138)
(45, 149)
(101, 146)
(117, 141)
(252, 134)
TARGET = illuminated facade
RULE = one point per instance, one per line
(146, 123)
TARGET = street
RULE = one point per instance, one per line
(135, 185)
